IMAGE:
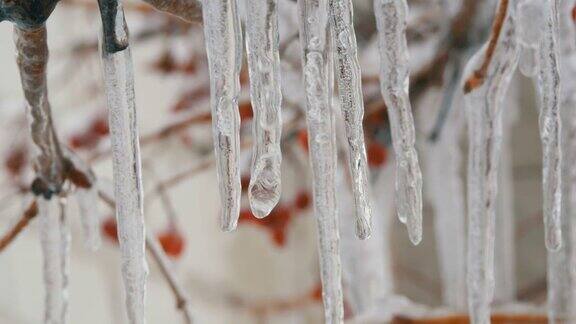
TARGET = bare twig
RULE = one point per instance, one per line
(477, 78)
(30, 212)
(463, 319)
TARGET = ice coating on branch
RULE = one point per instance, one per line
(484, 110)
(55, 239)
(224, 49)
(351, 101)
(530, 22)
(391, 18)
(119, 89)
(88, 206)
(264, 68)
(318, 78)
(549, 89)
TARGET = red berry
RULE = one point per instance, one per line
(316, 293)
(245, 110)
(100, 126)
(302, 200)
(245, 182)
(109, 229)
(16, 161)
(376, 154)
(303, 139)
(574, 13)
(172, 242)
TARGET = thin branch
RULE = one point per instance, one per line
(478, 77)
(464, 319)
(30, 212)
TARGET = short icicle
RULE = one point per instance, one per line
(119, 89)
(55, 239)
(391, 16)
(351, 101)
(488, 77)
(264, 68)
(548, 82)
(223, 38)
(318, 78)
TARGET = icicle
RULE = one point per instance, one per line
(483, 101)
(88, 205)
(55, 238)
(561, 275)
(442, 162)
(224, 49)
(351, 100)
(119, 89)
(530, 22)
(391, 18)
(549, 89)
(317, 65)
(264, 67)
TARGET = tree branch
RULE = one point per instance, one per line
(30, 212)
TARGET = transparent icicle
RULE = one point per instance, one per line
(55, 239)
(391, 18)
(351, 101)
(484, 110)
(442, 169)
(318, 79)
(88, 206)
(549, 90)
(561, 273)
(530, 22)
(119, 89)
(223, 38)
(264, 68)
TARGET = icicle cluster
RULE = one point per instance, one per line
(55, 238)
(264, 67)
(317, 65)
(391, 18)
(352, 103)
(491, 69)
(119, 89)
(224, 49)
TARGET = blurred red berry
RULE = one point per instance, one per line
(245, 182)
(302, 200)
(574, 13)
(245, 110)
(276, 223)
(172, 242)
(316, 293)
(376, 154)
(16, 161)
(100, 126)
(109, 229)
(165, 63)
(303, 139)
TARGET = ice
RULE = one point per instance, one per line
(55, 239)
(88, 206)
(352, 104)
(119, 89)
(484, 109)
(264, 68)
(318, 79)
(224, 49)
(391, 18)
(549, 90)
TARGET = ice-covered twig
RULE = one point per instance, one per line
(550, 125)
(224, 49)
(55, 238)
(32, 48)
(119, 88)
(29, 213)
(491, 69)
(188, 10)
(317, 64)
(391, 18)
(352, 104)
(262, 41)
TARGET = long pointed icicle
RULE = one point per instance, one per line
(561, 275)
(489, 72)
(119, 89)
(55, 238)
(391, 18)
(318, 78)
(351, 99)
(224, 48)
(264, 68)
(549, 90)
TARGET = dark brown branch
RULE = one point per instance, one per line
(30, 212)
(478, 77)
(463, 319)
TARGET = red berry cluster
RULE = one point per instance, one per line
(87, 139)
